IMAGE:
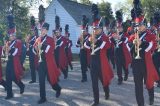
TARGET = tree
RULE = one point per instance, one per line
(49, 1)
(106, 10)
(75, 0)
(87, 2)
(150, 6)
(20, 10)
(125, 7)
(22, 20)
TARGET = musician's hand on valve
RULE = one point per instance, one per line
(94, 41)
(39, 45)
(118, 37)
(115, 36)
(135, 41)
(9, 48)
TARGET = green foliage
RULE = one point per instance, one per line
(125, 7)
(20, 11)
(87, 2)
(106, 10)
(21, 19)
(49, 1)
(150, 6)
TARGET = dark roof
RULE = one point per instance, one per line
(76, 10)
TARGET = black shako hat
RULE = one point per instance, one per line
(45, 26)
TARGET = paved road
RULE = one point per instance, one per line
(75, 93)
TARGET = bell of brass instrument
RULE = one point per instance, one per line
(137, 49)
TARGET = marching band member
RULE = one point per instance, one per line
(100, 68)
(156, 55)
(47, 65)
(144, 42)
(33, 58)
(68, 47)
(14, 67)
(84, 53)
(122, 54)
(110, 29)
(61, 43)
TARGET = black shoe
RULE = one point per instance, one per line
(58, 93)
(84, 80)
(58, 79)
(22, 89)
(42, 101)
(106, 96)
(125, 78)
(151, 101)
(114, 67)
(8, 97)
(94, 104)
(65, 76)
(119, 82)
(32, 82)
(71, 67)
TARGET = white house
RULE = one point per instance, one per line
(70, 13)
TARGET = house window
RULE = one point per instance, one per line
(55, 11)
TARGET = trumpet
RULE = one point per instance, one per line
(82, 37)
(93, 43)
(117, 40)
(137, 48)
(93, 38)
(39, 52)
(39, 48)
